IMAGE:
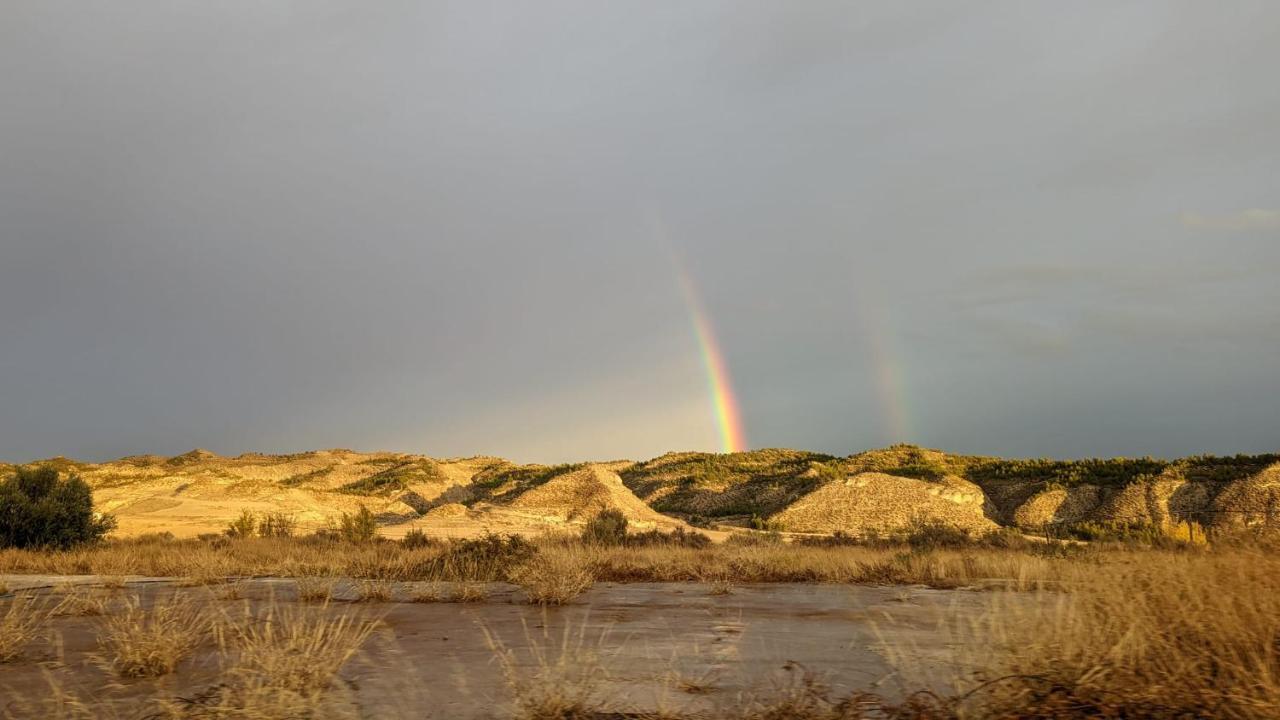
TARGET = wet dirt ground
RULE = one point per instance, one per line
(640, 647)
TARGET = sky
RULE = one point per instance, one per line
(512, 228)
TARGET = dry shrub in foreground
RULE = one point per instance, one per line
(22, 620)
(291, 648)
(150, 642)
(1175, 636)
(566, 681)
(554, 576)
(82, 601)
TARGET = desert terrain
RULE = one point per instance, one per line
(872, 493)
(894, 583)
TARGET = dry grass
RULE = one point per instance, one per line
(149, 642)
(430, 593)
(469, 592)
(555, 576)
(284, 557)
(211, 572)
(81, 601)
(22, 620)
(373, 591)
(278, 662)
(315, 589)
(720, 586)
(295, 649)
(113, 582)
(231, 591)
(1145, 634)
(566, 684)
(1190, 636)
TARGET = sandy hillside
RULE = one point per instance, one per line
(200, 492)
(878, 504)
(582, 493)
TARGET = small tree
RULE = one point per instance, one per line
(40, 509)
(360, 527)
(608, 527)
(243, 526)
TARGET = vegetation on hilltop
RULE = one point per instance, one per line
(758, 482)
(505, 481)
(396, 478)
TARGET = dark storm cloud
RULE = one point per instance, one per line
(427, 226)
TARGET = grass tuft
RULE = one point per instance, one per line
(554, 576)
(151, 642)
(22, 620)
(315, 589)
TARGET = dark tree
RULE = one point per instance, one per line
(41, 510)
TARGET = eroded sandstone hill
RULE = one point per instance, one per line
(872, 492)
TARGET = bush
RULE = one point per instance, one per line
(1169, 536)
(553, 578)
(39, 509)
(935, 534)
(609, 527)
(676, 538)
(277, 525)
(362, 527)
(767, 525)
(485, 558)
(244, 526)
(415, 538)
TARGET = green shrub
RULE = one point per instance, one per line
(485, 558)
(934, 533)
(767, 525)
(608, 527)
(755, 539)
(277, 525)
(361, 527)
(40, 509)
(676, 538)
(1134, 533)
(244, 526)
(415, 538)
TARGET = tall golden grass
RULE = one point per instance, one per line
(22, 620)
(209, 563)
(149, 642)
(275, 661)
(1122, 633)
(1170, 636)
(554, 578)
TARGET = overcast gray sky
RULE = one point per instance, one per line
(1028, 228)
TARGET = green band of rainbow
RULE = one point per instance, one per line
(728, 417)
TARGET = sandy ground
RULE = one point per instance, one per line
(673, 646)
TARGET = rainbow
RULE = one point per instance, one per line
(728, 418)
(890, 378)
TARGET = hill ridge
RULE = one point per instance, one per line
(198, 491)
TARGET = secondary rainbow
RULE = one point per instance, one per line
(728, 417)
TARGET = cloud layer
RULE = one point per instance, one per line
(428, 226)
